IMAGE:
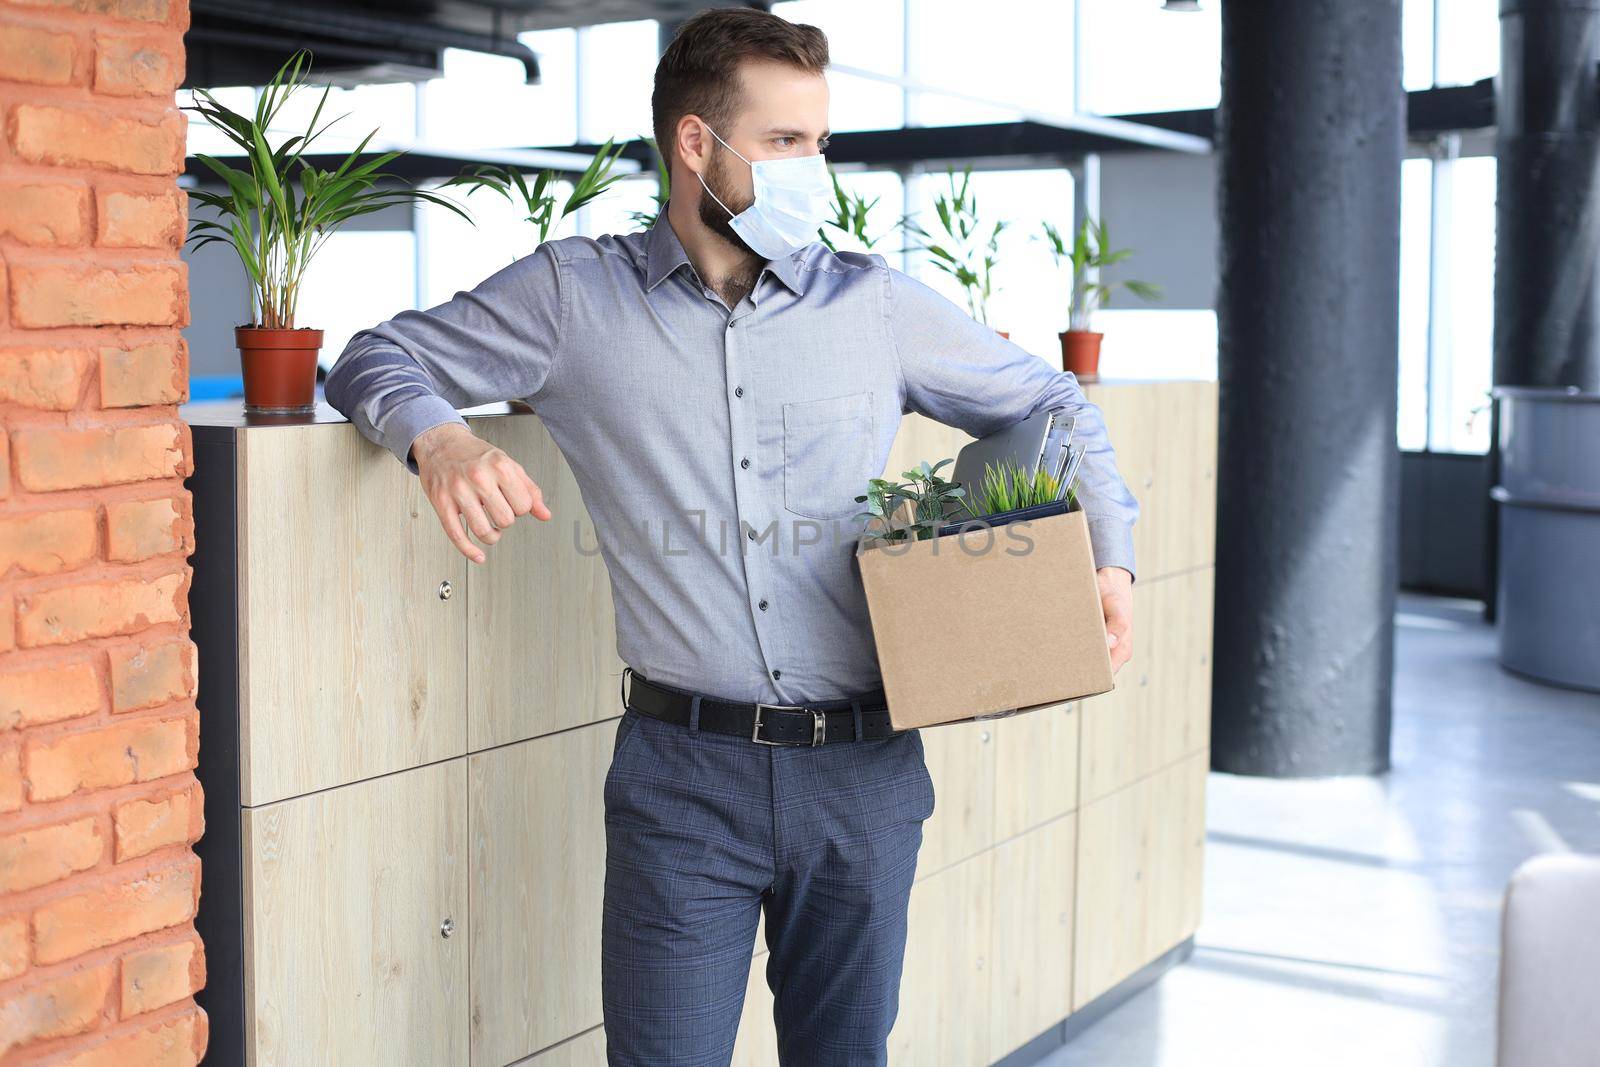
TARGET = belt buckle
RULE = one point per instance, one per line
(819, 724)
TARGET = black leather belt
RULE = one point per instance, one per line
(767, 724)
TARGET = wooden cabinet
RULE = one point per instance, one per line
(355, 905)
(538, 882)
(1140, 858)
(397, 745)
(352, 618)
(544, 639)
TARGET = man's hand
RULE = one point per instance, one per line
(463, 475)
(1116, 600)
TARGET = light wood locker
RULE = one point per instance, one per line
(1036, 768)
(537, 888)
(352, 618)
(1140, 857)
(1160, 710)
(961, 761)
(588, 1049)
(1131, 413)
(356, 908)
(544, 639)
(1030, 987)
(943, 1018)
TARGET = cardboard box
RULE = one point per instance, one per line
(988, 622)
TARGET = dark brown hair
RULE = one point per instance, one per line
(699, 72)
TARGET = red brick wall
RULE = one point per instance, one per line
(99, 805)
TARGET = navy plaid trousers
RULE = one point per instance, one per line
(703, 830)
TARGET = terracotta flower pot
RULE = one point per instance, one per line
(1080, 353)
(280, 369)
(1004, 333)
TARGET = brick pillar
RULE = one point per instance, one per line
(99, 805)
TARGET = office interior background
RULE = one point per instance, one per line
(1393, 684)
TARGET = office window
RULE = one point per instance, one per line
(1416, 234)
(1416, 35)
(990, 56)
(616, 73)
(611, 212)
(1031, 295)
(353, 113)
(1147, 342)
(456, 255)
(869, 36)
(1469, 41)
(1463, 365)
(357, 278)
(1137, 57)
(483, 101)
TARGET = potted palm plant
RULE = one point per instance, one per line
(966, 248)
(276, 218)
(1080, 346)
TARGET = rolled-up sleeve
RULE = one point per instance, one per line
(495, 342)
(962, 373)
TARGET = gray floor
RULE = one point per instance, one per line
(1355, 921)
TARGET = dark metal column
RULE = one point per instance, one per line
(1310, 133)
(1547, 210)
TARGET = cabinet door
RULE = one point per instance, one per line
(1160, 711)
(1036, 768)
(943, 1019)
(1140, 857)
(537, 887)
(355, 908)
(1030, 988)
(544, 636)
(961, 759)
(353, 625)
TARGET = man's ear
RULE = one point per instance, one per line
(692, 143)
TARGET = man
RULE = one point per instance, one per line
(730, 384)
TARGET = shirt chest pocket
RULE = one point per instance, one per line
(827, 455)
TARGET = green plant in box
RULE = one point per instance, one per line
(1009, 488)
(932, 498)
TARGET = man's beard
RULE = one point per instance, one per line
(712, 214)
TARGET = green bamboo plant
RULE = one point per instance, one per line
(850, 217)
(539, 201)
(275, 229)
(967, 247)
(1088, 251)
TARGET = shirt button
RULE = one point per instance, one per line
(745, 463)
(762, 605)
(751, 533)
(776, 675)
(732, 323)
(738, 390)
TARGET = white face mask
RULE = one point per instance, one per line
(793, 197)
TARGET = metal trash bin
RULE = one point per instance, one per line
(1548, 615)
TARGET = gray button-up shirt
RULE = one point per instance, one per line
(719, 452)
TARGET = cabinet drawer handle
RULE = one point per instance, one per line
(445, 589)
(447, 928)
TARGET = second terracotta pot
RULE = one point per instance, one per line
(280, 369)
(1080, 352)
